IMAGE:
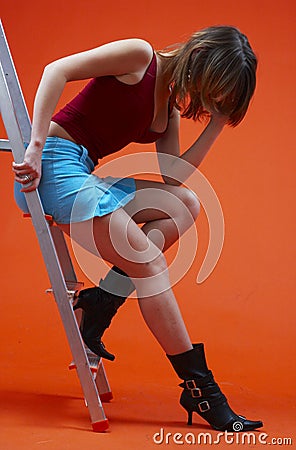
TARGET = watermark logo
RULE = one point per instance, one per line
(145, 165)
(237, 426)
(163, 437)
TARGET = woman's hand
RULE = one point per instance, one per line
(28, 173)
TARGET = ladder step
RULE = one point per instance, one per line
(5, 145)
(92, 364)
(95, 364)
(72, 288)
(48, 217)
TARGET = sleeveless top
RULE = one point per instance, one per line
(109, 114)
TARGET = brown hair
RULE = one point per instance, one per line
(214, 70)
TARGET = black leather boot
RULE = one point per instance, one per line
(202, 394)
(99, 307)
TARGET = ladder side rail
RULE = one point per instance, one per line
(63, 254)
(52, 263)
(102, 382)
(66, 265)
(14, 87)
(61, 246)
(24, 123)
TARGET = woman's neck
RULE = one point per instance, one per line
(165, 69)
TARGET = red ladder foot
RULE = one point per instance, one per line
(101, 426)
(106, 397)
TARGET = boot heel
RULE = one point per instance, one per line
(189, 421)
(78, 305)
(78, 301)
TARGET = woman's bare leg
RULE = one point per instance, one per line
(119, 240)
(166, 211)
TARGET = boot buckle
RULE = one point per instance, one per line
(204, 406)
(196, 393)
(190, 384)
(194, 390)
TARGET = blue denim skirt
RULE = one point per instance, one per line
(69, 191)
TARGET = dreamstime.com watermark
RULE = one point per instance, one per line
(226, 437)
(145, 165)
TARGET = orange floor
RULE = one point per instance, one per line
(244, 312)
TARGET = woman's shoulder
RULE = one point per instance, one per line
(139, 48)
(138, 55)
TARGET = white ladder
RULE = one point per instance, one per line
(53, 246)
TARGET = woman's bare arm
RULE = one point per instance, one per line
(178, 169)
(127, 58)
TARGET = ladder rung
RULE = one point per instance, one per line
(93, 364)
(72, 288)
(5, 145)
(48, 217)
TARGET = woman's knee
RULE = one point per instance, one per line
(153, 278)
(190, 200)
(156, 266)
(146, 269)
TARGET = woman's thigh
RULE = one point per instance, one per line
(114, 237)
(155, 200)
(118, 239)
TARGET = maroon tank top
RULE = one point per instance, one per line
(108, 114)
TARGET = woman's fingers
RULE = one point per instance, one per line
(29, 182)
(23, 179)
(26, 175)
(23, 175)
(31, 186)
(23, 168)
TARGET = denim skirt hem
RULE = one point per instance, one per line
(69, 191)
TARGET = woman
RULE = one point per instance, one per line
(136, 95)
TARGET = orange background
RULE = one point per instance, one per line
(244, 312)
